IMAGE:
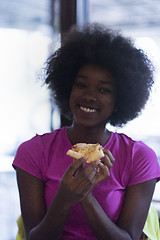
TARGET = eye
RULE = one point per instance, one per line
(80, 85)
(105, 90)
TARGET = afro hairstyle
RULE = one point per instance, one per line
(97, 44)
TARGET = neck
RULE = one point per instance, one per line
(78, 134)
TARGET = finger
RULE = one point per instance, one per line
(106, 161)
(88, 181)
(89, 186)
(103, 172)
(87, 169)
(109, 154)
(76, 165)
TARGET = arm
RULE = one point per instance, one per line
(38, 223)
(132, 218)
(74, 186)
(134, 211)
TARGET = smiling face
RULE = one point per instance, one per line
(93, 96)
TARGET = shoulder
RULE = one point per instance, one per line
(134, 153)
(139, 160)
(135, 146)
(39, 141)
(121, 142)
(141, 149)
(32, 155)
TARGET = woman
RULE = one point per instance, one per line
(97, 77)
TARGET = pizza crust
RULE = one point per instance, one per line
(92, 151)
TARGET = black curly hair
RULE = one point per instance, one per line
(96, 44)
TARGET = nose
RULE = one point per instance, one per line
(89, 95)
(89, 98)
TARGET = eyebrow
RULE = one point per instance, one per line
(81, 76)
(105, 82)
(101, 81)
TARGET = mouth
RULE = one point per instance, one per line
(88, 110)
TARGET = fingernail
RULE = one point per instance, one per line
(85, 158)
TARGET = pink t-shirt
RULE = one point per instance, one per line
(44, 156)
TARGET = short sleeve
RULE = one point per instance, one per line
(29, 157)
(145, 164)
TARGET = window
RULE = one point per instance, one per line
(140, 20)
(25, 38)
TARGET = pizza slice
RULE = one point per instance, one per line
(92, 151)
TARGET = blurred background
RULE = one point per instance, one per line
(29, 31)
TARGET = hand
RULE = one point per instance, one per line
(77, 182)
(102, 171)
(104, 166)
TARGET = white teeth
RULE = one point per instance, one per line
(87, 109)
